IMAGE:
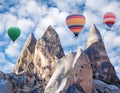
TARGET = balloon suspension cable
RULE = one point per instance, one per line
(76, 37)
(108, 29)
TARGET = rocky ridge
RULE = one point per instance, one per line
(42, 67)
(95, 49)
(26, 56)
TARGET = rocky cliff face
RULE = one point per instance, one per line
(26, 56)
(95, 49)
(42, 67)
(73, 69)
(47, 51)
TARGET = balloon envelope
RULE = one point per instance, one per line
(75, 23)
(109, 19)
(14, 33)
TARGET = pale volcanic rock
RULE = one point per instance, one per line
(47, 51)
(95, 49)
(25, 60)
(105, 88)
(5, 86)
(43, 62)
(73, 69)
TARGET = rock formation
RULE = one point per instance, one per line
(5, 85)
(48, 49)
(42, 67)
(95, 49)
(105, 88)
(72, 69)
(26, 57)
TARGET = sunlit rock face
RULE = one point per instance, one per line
(95, 49)
(73, 71)
(25, 60)
(48, 50)
(42, 67)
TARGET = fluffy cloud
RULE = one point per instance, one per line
(2, 58)
(1, 43)
(69, 5)
(96, 5)
(1, 28)
(90, 15)
(26, 26)
(12, 50)
(7, 68)
(117, 68)
(53, 17)
(113, 6)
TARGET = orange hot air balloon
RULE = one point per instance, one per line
(75, 23)
(109, 19)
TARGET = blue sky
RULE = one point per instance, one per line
(36, 15)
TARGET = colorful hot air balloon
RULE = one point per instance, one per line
(14, 33)
(109, 19)
(75, 23)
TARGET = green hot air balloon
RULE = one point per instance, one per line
(14, 33)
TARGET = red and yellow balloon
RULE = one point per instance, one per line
(75, 23)
(109, 19)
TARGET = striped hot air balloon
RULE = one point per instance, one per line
(75, 23)
(109, 19)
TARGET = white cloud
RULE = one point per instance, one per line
(2, 58)
(90, 15)
(114, 7)
(34, 10)
(109, 36)
(111, 40)
(26, 26)
(67, 37)
(13, 49)
(9, 20)
(117, 69)
(1, 28)
(2, 43)
(39, 31)
(69, 5)
(7, 68)
(53, 17)
(96, 5)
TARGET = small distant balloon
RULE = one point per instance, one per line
(109, 19)
(75, 22)
(14, 33)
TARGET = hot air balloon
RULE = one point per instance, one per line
(75, 23)
(14, 33)
(109, 19)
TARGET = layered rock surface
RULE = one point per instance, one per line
(47, 51)
(95, 49)
(105, 88)
(73, 69)
(26, 56)
(43, 62)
